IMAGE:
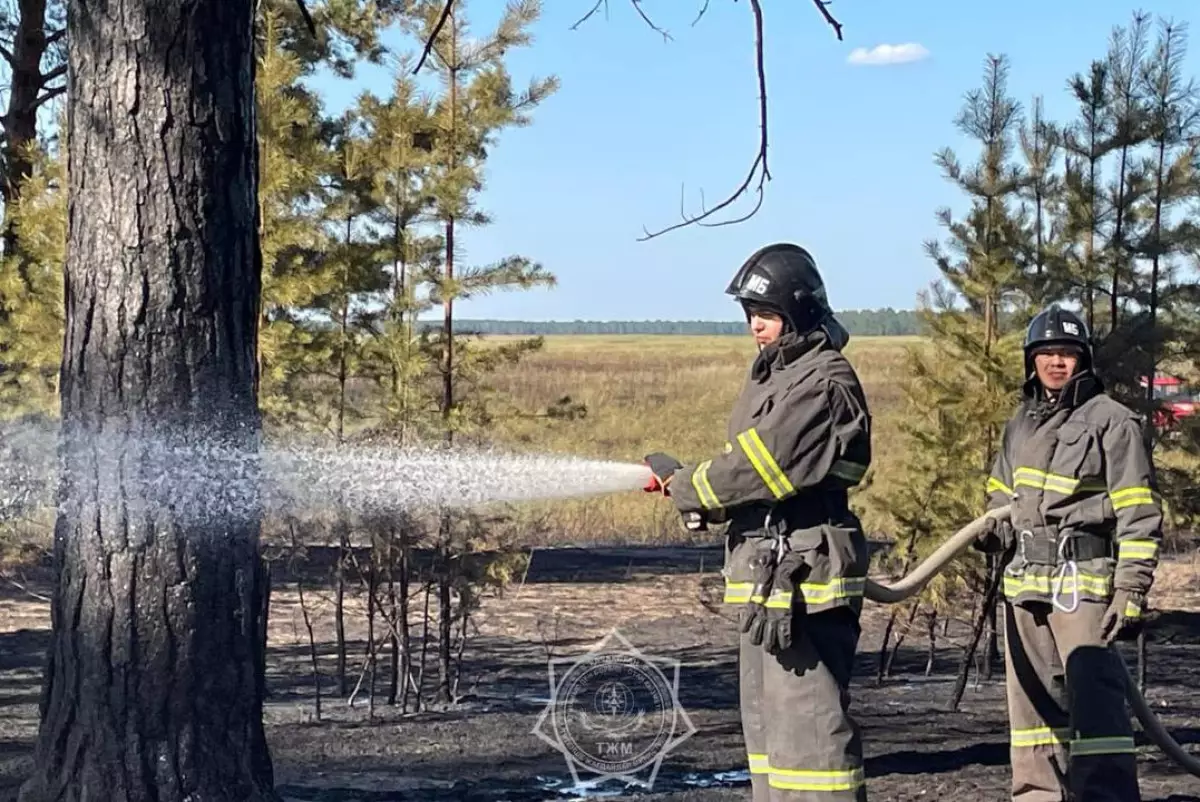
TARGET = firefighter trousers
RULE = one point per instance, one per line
(1071, 736)
(802, 744)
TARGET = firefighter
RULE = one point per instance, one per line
(1084, 536)
(795, 554)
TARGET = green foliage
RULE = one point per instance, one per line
(31, 291)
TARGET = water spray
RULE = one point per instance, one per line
(206, 483)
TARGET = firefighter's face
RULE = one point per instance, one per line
(765, 325)
(1056, 365)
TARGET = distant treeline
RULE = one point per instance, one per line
(862, 322)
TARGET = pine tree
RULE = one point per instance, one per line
(1087, 141)
(154, 680)
(400, 131)
(478, 101)
(353, 267)
(294, 156)
(1127, 50)
(972, 373)
(33, 49)
(31, 288)
(1041, 194)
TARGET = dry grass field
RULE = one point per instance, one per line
(657, 393)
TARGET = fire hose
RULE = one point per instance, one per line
(916, 579)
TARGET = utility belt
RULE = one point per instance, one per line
(1047, 546)
(807, 510)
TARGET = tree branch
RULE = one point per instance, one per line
(637, 5)
(50, 95)
(54, 37)
(57, 72)
(599, 4)
(823, 7)
(758, 168)
(7, 54)
(437, 29)
(308, 20)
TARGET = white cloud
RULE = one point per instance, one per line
(887, 54)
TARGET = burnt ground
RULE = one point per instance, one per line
(662, 601)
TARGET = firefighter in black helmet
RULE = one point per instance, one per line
(1084, 536)
(796, 555)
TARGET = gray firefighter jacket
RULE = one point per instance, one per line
(1086, 513)
(799, 438)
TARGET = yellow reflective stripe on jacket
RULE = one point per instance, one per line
(766, 466)
(1132, 610)
(1137, 550)
(1131, 497)
(815, 780)
(994, 484)
(741, 593)
(758, 763)
(1039, 736)
(1087, 583)
(1113, 745)
(703, 488)
(1053, 482)
(848, 587)
(852, 472)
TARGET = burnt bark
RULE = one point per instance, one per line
(153, 684)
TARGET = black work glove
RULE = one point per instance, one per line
(783, 602)
(997, 535)
(663, 467)
(1123, 619)
(753, 614)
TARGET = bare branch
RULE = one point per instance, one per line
(308, 20)
(55, 36)
(57, 72)
(24, 589)
(637, 4)
(437, 29)
(758, 168)
(7, 54)
(599, 4)
(823, 7)
(703, 11)
(50, 95)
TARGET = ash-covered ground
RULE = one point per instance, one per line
(664, 601)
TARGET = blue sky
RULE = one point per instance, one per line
(851, 150)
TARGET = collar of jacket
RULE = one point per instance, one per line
(1081, 388)
(786, 350)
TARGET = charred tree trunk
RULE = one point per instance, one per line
(153, 684)
(372, 645)
(991, 645)
(445, 628)
(402, 620)
(931, 655)
(881, 660)
(891, 659)
(989, 602)
(339, 608)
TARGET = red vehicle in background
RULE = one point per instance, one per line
(1176, 399)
